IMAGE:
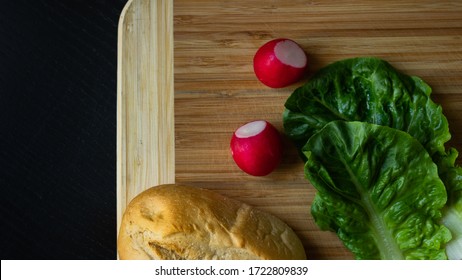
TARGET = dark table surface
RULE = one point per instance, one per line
(58, 62)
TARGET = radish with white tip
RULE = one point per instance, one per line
(256, 148)
(279, 63)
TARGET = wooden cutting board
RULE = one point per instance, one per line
(186, 82)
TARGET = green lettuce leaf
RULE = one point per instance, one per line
(378, 189)
(371, 90)
(452, 219)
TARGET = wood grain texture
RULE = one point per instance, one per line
(145, 123)
(215, 89)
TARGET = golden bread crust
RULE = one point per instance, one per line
(183, 222)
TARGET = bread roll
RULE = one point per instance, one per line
(181, 222)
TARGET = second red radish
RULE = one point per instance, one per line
(279, 63)
(256, 148)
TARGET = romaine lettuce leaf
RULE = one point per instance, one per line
(452, 219)
(371, 90)
(378, 189)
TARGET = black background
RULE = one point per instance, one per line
(58, 65)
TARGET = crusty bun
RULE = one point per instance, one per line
(181, 222)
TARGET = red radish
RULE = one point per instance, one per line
(279, 63)
(256, 148)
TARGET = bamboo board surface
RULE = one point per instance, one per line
(186, 82)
